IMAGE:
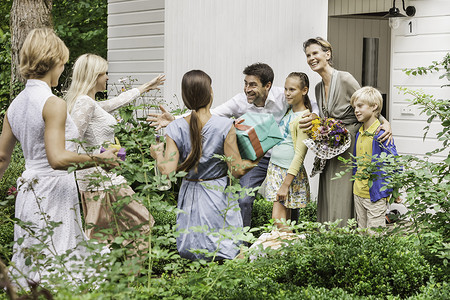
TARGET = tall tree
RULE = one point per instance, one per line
(25, 16)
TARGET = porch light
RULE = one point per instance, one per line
(394, 14)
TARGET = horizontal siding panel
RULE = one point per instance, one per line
(416, 59)
(136, 30)
(136, 18)
(415, 146)
(134, 66)
(396, 112)
(134, 6)
(414, 128)
(430, 8)
(418, 43)
(424, 25)
(433, 25)
(136, 42)
(437, 92)
(401, 79)
(136, 54)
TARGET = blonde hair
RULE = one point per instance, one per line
(370, 96)
(41, 51)
(324, 45)
(86, 70)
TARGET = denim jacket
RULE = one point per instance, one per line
(374, 191)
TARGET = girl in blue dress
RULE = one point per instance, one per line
(191, 143)
(287, 181)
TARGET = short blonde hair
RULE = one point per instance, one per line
(41, 51)
(86, 70)
(370, 96)
(324, 45)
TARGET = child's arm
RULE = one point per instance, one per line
(300, 153)
(283, 192)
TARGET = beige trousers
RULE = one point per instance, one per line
(370, 214)
(115, 209)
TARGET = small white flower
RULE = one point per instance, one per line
(123, 80)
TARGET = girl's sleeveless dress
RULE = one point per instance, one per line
(44, 195)
(201, 195)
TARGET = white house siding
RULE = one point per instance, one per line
(351, 7)
(135, 40)
(430, 42)
(223, 37)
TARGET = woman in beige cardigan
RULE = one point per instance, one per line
(333, 93)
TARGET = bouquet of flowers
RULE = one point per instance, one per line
(327, 139)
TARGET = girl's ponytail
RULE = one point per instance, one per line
(195, 130)
(196, 93)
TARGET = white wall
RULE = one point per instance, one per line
(223, 37)
(430, 41)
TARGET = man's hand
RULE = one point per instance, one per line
(160, 120)
(305, 122)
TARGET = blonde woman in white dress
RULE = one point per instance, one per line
(38, 120)
(94, 121)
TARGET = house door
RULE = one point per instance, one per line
(361, 46)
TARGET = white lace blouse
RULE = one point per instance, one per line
(95, 126)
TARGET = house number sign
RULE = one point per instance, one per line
(411, 27)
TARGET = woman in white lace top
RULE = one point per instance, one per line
(94, 122)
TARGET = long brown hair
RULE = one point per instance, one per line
(304, 82)
(196, 93)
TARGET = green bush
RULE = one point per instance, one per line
(433, 291)
(363, 265)
(262, 212)
(9, 179)
(358, 264)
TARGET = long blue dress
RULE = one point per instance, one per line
(203, 205)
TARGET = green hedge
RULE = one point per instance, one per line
(357, 264)
(9, 179)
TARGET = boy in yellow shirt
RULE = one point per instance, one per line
(370, 202)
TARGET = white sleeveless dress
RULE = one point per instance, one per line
(44, 194)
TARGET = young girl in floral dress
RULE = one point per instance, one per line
(287, 181)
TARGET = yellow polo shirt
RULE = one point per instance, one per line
(364, 146)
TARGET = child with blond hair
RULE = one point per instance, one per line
(370, 202)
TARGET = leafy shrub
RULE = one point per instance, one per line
(8, 182)
(359, 264)
(262, 212)
(433, 291)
